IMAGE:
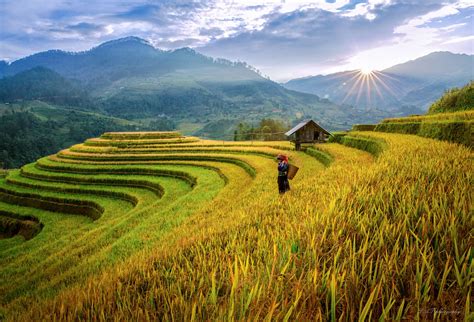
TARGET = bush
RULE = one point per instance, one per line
(363, 127)
(456, 99)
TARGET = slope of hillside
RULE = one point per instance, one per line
(179, 228)
(32, 129)
(414, 84)
(456, 99)
(436, 66)
(129, 78)
(46, 85)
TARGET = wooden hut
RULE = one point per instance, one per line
(307, 132)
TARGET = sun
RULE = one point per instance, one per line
(366, 70)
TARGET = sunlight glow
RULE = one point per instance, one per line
(369, 85)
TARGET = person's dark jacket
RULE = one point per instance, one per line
(282, 168)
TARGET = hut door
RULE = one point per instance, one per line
(316, 136)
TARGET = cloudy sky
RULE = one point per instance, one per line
(284, 39)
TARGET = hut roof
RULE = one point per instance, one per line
(303, 124)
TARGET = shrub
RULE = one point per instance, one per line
(456, 99)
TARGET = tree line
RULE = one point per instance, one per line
(265, 130)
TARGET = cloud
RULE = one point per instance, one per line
(306, 41)
(282, 38)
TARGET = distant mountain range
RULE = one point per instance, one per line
(410, 86)
(129, 78)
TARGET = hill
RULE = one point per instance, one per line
(129, 78)
(155, 226)
(31, 129)
(456, 99)
(43, 84)
(409, 86)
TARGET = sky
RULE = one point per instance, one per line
(284, 39)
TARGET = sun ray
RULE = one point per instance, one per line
(369, 88)
(386, 75)
(343, 74)
(366, 71)
(356, 82)
(385, 86)
(377, 89)
(390, 81)
(361, 88)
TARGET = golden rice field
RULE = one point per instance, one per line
(155, 226)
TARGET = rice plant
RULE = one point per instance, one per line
(378, 226)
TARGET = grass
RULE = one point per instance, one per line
(377, 227)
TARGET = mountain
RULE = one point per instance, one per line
(409, 86)
(129, 78)
(437, 66)
(43, 84)
(3, 67)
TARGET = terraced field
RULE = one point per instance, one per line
(147, 226)
(457, 127)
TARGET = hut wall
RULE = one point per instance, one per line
(308, 133)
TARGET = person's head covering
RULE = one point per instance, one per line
(282, 157)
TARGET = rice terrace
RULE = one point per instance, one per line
(155, 225)
(221, 160)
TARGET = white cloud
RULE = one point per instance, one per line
(283, 38)
(365, 9)
(443, 12)
(414, 39)
(458, 39)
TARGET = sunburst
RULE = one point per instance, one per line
(366, 70)
(368, 82)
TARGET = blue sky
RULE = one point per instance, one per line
(283, 39)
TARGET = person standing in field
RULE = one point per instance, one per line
(283, 183)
